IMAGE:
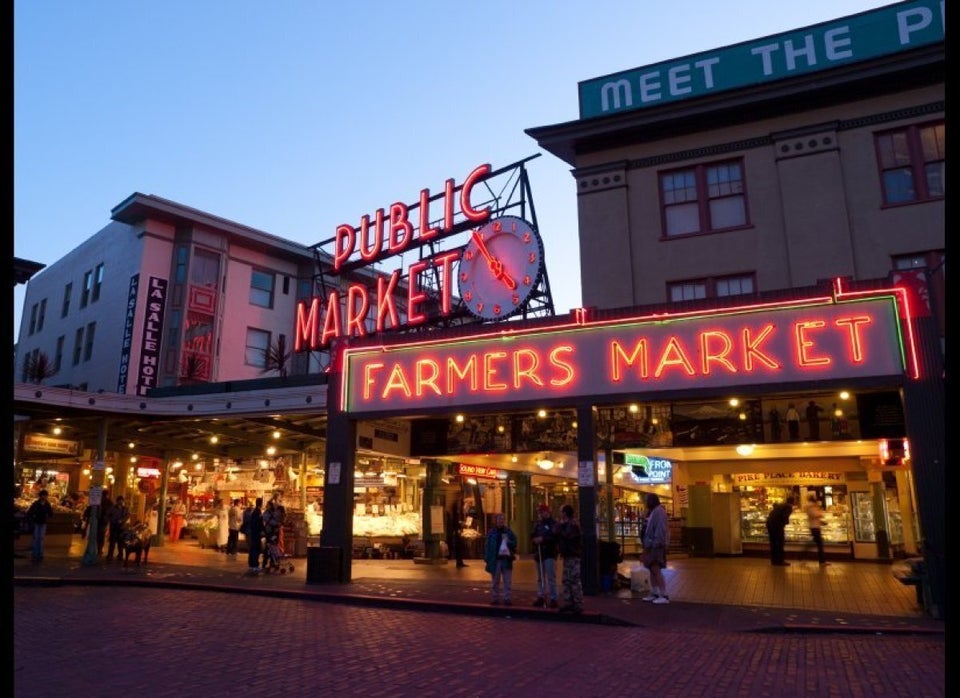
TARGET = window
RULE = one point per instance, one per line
(711, 287)
(33, 319)
(97, 283)
(261, 288)
(912, 163)
(58, 357)
(87, 289)
(88, 347)
(41, 315)
(77, 346)
(258, 341)
(67, 292)
(704, 199)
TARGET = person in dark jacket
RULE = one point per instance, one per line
(544, 539)
(40, 512)
(777, 522)
(254, 535)
(499, 553)
(116, 520)
(570, 543)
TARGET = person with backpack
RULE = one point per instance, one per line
(39, 513)
(234, 525)
(777, 522)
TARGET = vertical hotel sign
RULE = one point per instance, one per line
(127, 342)
(152, 331)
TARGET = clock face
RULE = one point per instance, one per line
(500, 267)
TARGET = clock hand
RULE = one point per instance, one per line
(495, 265)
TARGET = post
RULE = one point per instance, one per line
(91, 554)
(587, 481)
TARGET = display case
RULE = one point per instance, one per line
(864, 523)
(756, 504)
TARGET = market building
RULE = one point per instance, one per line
(769, 223)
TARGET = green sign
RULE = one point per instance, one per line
(884, 31)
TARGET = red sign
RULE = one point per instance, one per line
(385, 235)
(822, 340)
(480, 471)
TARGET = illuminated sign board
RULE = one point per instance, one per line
(390, 232)
(649, 470)
(480, 471)
(38, 443)
(819, 339)
(884, 31)
(148, 472)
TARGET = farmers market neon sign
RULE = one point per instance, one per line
(817, 339)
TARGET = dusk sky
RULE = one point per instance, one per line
(297, 116)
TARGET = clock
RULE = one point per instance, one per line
(500, 267)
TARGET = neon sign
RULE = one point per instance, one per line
(649, 470)
(481, 471)
(822, 339)
(389, 232)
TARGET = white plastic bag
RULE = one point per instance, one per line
(640, 580)
(504, 548)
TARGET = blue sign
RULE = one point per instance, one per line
(884, 31)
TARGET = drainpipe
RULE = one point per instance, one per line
(90, 555)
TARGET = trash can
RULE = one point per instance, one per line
(324, 564)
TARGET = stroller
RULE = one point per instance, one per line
(276, 559)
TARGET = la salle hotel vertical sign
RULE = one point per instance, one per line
(152, 332)
(824, 339)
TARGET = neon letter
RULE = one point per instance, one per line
(751, 349)
(307, 324)
(369, 379)
(616, 351)
(369, 251)
(674, 355)
(331, 322)
(414, 298)
(397, 381)
(454, 372)
(401, 231)
(804, 357)
(343, 246)
(386, 303)
(426, 232)
(356, 314)
(425, 380)
(465, 207)
(856, 340)
(555, 360)
(706, 357)
(529, 371)
(490, 370)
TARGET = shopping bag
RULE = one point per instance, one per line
(640, 580)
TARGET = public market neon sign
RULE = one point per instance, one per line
(389, 232)
(819, 339)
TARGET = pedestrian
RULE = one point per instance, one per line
(234, 520)
(272, 526)
(815, 522)
(39, 512)
(792, 418)
(456, 535)
(254, 532)
(178, 515)
(544, 539)
(103, 518)
(774, 424)
(499, 554)
(570, 543)
(813, 420)
(776, 524)
(656, 539)
(116, 520)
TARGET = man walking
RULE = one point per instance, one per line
(40, 512)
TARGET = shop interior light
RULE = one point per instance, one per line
(844, 395)
(838, 412)
(271, 450)
(654, 420)
(745, 449)
(545, 464)
(57, 431)
(195, 456)
(276, 434)
(131, 445)
(459, 419)
(574, 423)
(541, 413)
(734, 402)
(133, 459)
(86, 472)
(743, 416)
(500, 428)
(471, 481)
(109, 469)
(214, 439)
(514, 459)
(634, 408)
(198, 466)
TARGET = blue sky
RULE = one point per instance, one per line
(296, 116)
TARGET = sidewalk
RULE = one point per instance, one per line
(726, 594)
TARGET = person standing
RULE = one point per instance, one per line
(103, 519)
(40, 512)
(178, 515)
(774, 424)
(254, 533)
(234, 520)
(570, 543)
(500, 550)
(815, 522)
(792, 418)
(544, 539)
(776, 524)
(813, 420)
(656, 538)
(456, 535)
(117, 519)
